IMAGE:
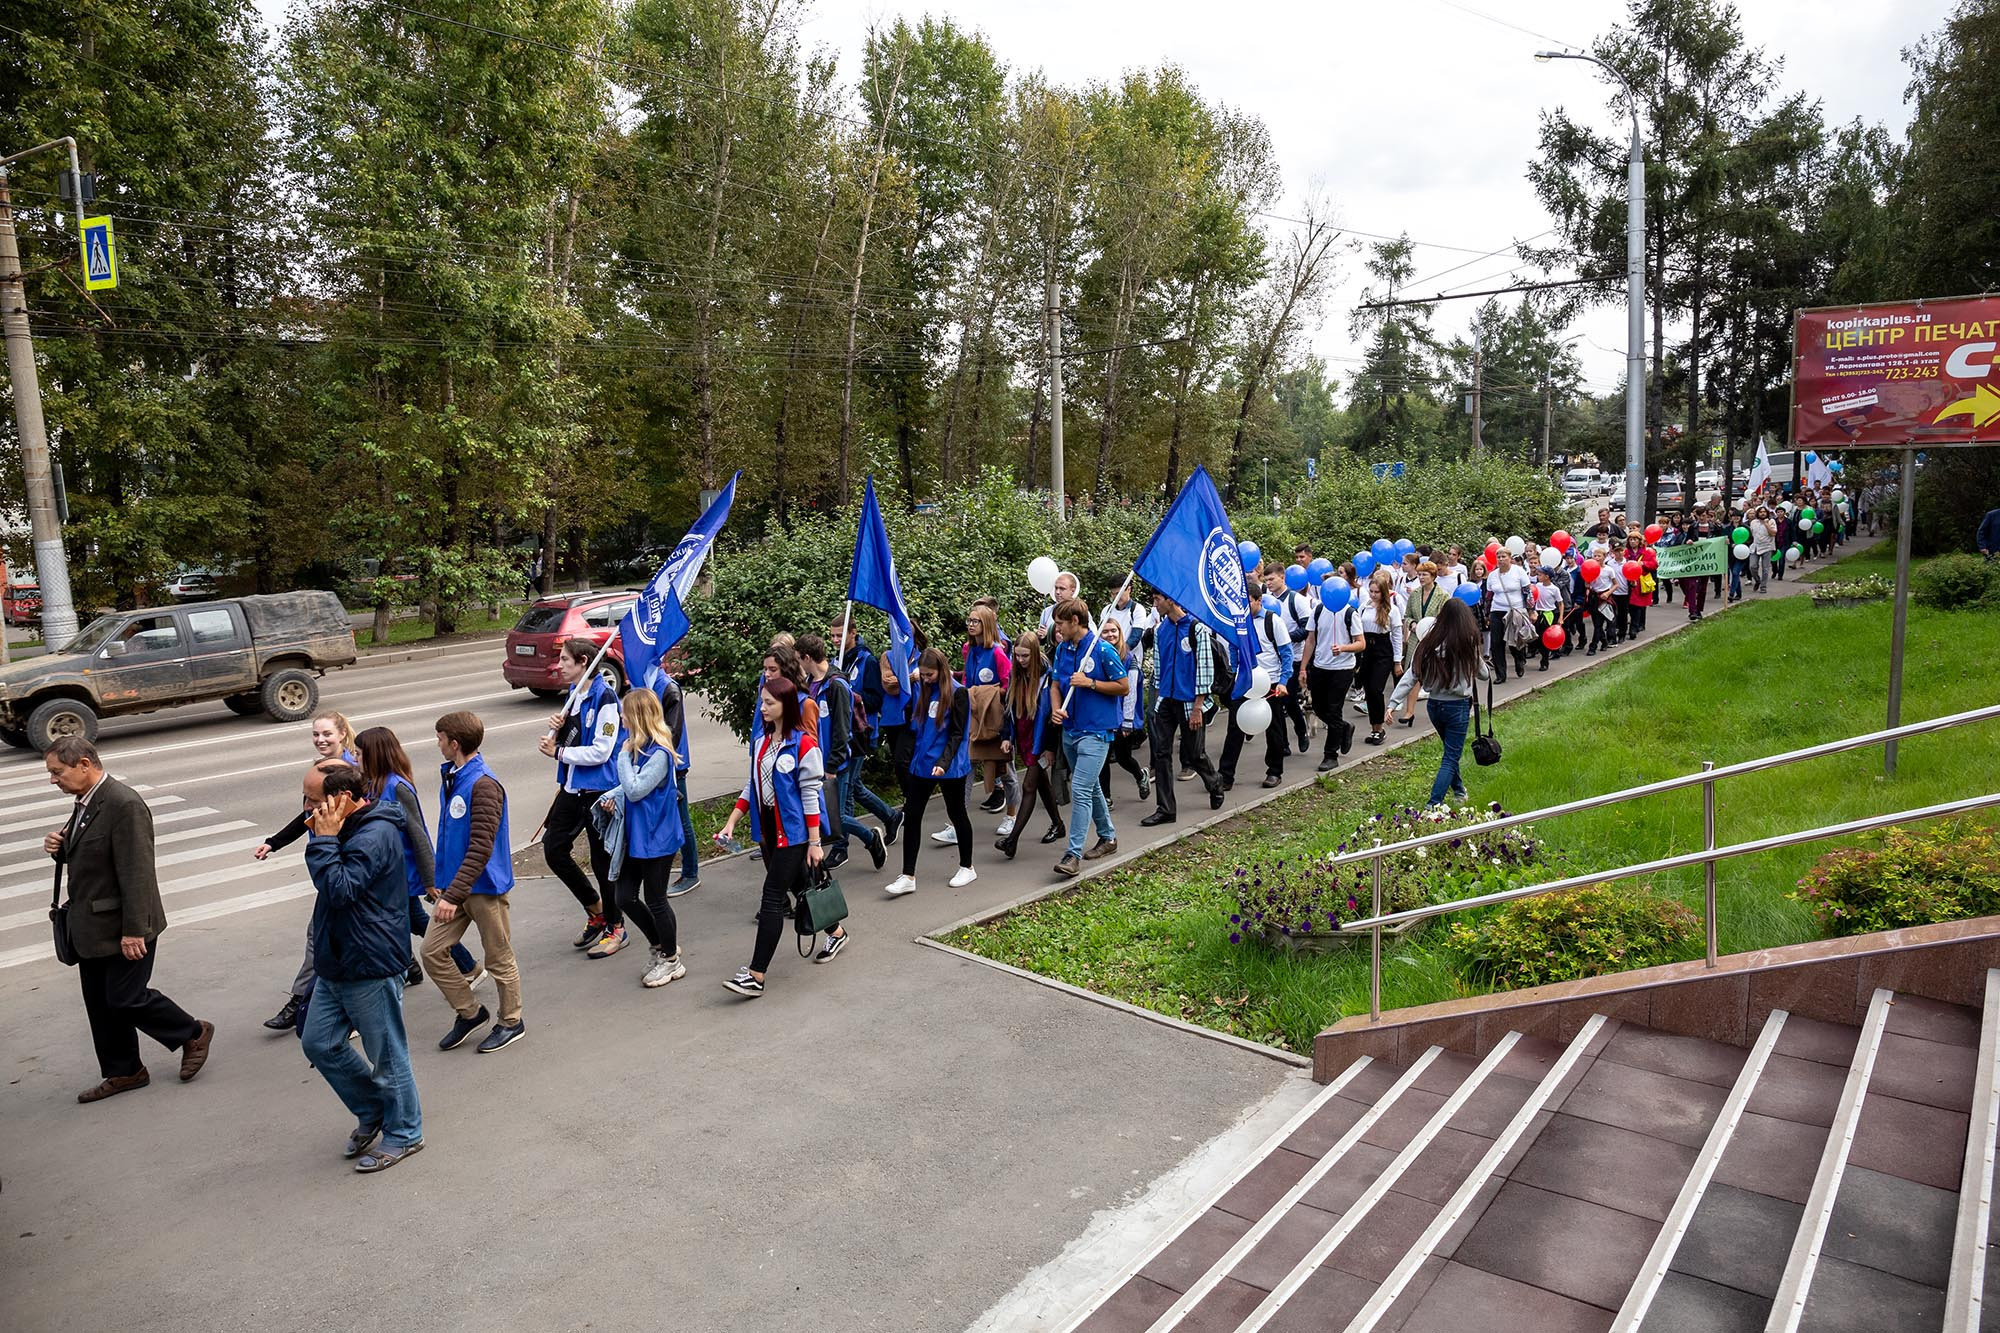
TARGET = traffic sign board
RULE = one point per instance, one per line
(1389, 471)
(100, 255)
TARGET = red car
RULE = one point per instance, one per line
(20, 599)
(534, 644)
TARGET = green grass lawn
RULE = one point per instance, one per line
(1877, 559)
(420, 630)
(1767, 677)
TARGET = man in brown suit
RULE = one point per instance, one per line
(114, 919)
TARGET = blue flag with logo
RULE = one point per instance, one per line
(658, 620)
(1193, 558)
(873, 581)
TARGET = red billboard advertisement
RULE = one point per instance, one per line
(1906, 372)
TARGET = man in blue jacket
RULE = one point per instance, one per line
(361, 949)
(1989, 534)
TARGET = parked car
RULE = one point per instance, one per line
(20, 599)
(1582, 481)
(256, 654)
(191, 585)
(535, 642)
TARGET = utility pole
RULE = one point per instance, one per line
(51, 564)
(1055, 399)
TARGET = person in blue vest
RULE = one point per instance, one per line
(640, 822)
(1086, 688)
(583, 740)
(475, 864)
(390, 779)
(864, 680)
(1184, 649)
(830, 690)
(898, 676)
(784, 798)
(1033, 742)
(940, 760)
(673, 711)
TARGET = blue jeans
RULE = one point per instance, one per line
(1735, 578)
(690, 862)
(853, 790)
(380, 1090)
(1452, 718)
(1086, 753)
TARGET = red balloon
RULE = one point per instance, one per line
(1560, 540)
(1552, 637)
(1492, 554)
(1650, 559)
(1633, 569)
(1654, 532)
(1590, 569)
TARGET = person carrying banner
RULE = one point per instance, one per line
(1086, 687)
(1274, 655)
(1294, 614)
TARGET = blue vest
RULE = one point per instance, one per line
(1175, 645)
(982, 666)
(786, 799)
(895, 707)
(455, 831)
(592, 777)
(1090, 711)
(653, 823)
(388, 796)
(860, 668)
(928, 752)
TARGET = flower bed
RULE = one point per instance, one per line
(1853, 592)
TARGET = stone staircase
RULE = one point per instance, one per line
(1830, 1177)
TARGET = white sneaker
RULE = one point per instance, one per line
(965, 876)
(1006, 827)
(663, 970)
(1423, 695)
(903, 884)
(947, 836)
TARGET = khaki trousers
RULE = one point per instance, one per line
(487, 912)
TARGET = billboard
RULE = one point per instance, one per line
(1906, 372)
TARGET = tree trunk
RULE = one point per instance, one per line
(854, 307)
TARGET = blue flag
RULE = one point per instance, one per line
(874, 583)
(1193, 558)
(658, 620)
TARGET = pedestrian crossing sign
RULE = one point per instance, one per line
(100, 255)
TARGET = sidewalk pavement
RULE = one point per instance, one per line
(892, 1141)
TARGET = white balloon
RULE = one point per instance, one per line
(1796, 554)
(1742, 551)
(1260, 682)
(1551, 558)
(1516, 545)
(1042, 573)
(1253, 716)
(1425, 625)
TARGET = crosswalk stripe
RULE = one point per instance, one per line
(185, 856)
(185, 884)
(185, 917)
(43, 823)
(183, 835)
(290, 735)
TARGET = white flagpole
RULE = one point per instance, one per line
(840, 656)
(569, 703)
(1092, 636)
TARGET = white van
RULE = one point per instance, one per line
(1581, 481)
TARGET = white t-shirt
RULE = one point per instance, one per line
(1449, 577)
(1508, 590)
(1330, 628)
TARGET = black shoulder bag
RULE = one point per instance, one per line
(59, 920)
(1485, 745)
(819, 906)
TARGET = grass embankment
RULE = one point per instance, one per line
(1877, 559)
(425, 630)
(1767, 677)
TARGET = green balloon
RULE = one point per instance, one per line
(1806, 513)
(1741, 535)
(1818, 528)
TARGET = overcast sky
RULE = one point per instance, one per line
(1417, 116)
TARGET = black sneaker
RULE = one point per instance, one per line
(463, 1028)
(878, 852)
(891, 827)
(1215, 799)
(415, 976)
(831, 949)
(502, 1035)
(1346, 736)
(744, 984)
(995, 803)
(1145, 786)
(1157, 818)
(1328, 764)
(286, 1017)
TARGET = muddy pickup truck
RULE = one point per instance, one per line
(256, 654)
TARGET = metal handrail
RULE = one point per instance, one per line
(1709, 854)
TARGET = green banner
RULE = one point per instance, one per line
(1694, 560)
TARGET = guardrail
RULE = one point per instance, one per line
(1709, 854)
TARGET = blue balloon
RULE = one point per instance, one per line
(1271, 604)
(1364, 564)
(1252, 557)
(1381, 548)
(1295, 578)
(1811, 457)
(1467, 593)
(1319, 568)
(1334, 592)
(1404, 546)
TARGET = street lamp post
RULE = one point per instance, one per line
(1635, 296)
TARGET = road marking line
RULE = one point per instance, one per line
(184, 835)
(42, 821)
(302, 764)
(186, 856)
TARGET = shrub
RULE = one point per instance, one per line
(1306, 897)
(1867, 588)
(1583, 932)
(1940, 872)
(1455, 503)
(1955, 582)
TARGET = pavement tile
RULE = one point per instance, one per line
(1894, 1225)
(1848, 1298)
(1385, 1235)
(1224, 1309)
(1492, 1104)
(1933, 1020)
(1671, 1053)
(1400, 1123)
(1739, 1239)
(1794, 1089)
(1278, 1253)
(1581, 1250)
(1326, 1300)
(1374, 1079)
(1687, 1304)
(1605, 1164)
(1771, 1156)
(1911, 1140)
(1266, 1184)
(1812, 1039)
(1131, 1309)
(1464, 1298)
(1316, 1137)
(1443, 1166)
(1207, 1239)
(1447, 1072)
(1354, 1173)
(1530, 1059)
(1676, 1109)
(1932, 1072)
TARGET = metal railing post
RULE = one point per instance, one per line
(1375, 952)
(1708, 845)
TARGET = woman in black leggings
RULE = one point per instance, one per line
(1131, 733)
(940, 758)
(1031, 742)
(1333, 637)
(1382, 648)
(645, 806)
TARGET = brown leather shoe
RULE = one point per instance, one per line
(111, 1087)
(195, 1054)
(1104, 847)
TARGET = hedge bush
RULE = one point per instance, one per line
(1584, 932)
(1938, 872)
(1956, 582)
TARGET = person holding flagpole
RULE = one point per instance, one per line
(583, 740)
(872, 581)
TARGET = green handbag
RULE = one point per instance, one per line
(820, 906)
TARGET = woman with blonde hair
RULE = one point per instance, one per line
(640, 822)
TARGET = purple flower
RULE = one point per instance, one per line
(1235, 938)
(1286, 929)
(1235, 919)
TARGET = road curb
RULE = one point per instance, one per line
(457, 648)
